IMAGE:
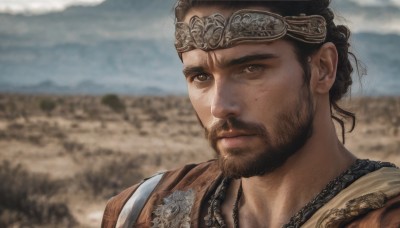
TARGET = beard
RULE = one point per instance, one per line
(292, 130)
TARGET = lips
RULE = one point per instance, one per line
(233, 134)
(235, 139)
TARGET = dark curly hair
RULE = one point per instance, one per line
(337, 34)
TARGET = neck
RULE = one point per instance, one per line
(272, 199)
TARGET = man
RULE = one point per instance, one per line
(264, 78)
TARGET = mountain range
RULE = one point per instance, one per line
(126, 46)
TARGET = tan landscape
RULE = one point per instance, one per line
(63, 157)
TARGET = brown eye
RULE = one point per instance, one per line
(201, 78)
(253, 68)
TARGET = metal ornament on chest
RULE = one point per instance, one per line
(175, 210)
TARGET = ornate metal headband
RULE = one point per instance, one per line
(214, 32)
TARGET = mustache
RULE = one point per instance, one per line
(233, 123)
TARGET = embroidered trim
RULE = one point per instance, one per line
(214, 217)
(175, 210)
(355, 207)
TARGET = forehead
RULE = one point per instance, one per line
(280, 49)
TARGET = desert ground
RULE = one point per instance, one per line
(63, 157)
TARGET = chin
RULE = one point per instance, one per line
(238, 163)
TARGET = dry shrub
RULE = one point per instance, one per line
(32, 138)
(35, 139)
(113, 102)
(36, 133)
(47, 105)
(72, 146)
(29, 199)
(155, 115)
(52, 131)
(136, 122)
(113, 176)
(9, 109)
(15, 126)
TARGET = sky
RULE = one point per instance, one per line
(376, 16)
(41, 6)
(376, 2)
(45, 6)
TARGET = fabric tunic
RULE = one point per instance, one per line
(181, 197)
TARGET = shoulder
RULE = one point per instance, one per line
(115, 205)
(187, 175)
(375, 195)
(387, 216)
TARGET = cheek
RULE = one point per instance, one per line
(201, 106)
(268, 94)
(282, 85)
(274, 98)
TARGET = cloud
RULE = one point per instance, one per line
(376, 16)
(41, 6)
(377, 3)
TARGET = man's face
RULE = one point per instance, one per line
(252, 101)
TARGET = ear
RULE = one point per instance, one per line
(323, 68)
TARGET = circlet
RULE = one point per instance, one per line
(247, 25)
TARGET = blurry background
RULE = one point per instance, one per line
(126, 46)
(92, 100)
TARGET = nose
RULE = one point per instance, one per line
(225, 101)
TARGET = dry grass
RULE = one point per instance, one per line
(28, 199)
(62, 157)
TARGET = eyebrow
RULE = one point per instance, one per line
(233, 62)
(249, 58)
(192, 70)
